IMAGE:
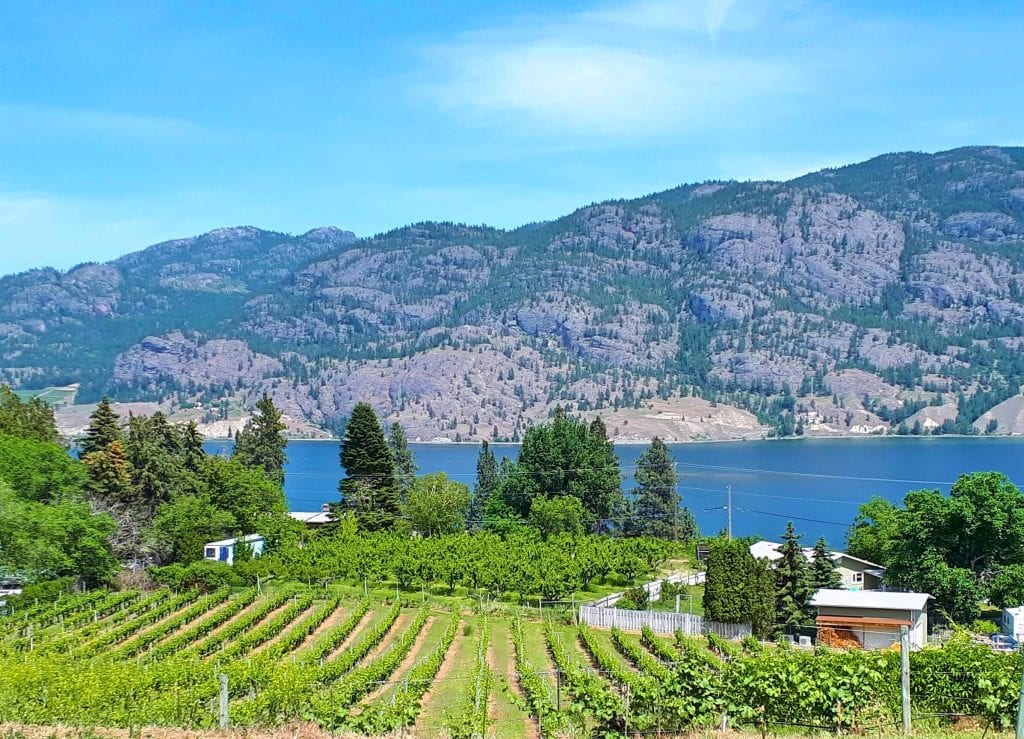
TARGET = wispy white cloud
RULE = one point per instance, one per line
(636, 69)
(32, 120)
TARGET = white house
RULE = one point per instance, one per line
(314, 519)
(870, 619)
(857, 573)
(1013, 622)
(224, 551)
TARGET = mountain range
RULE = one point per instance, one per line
(885, 296)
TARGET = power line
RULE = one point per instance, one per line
(723, 468)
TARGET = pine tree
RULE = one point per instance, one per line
(191, 442)
(824, 573)
(369, 489)
(656, 497)
(792, 582)
(405, 463)
(486, 485)
(104, 429)
(261, 443)
(110, 475)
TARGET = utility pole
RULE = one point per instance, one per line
(675, 509)
(728, 508)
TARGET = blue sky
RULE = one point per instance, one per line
(126, 123)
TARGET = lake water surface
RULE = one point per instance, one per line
(818, 483)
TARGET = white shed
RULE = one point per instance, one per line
(870, 619)
(224, 550)
(1013, 622)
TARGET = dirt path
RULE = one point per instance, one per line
(405, 665)
(337, 616)
(500, 715)
(357, 633)
(429, 722)
(299, 618)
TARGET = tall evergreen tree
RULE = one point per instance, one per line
(823, 568)
(104, 429)
(792, 582)
(192, 446)
(486, 485)
(261, 443)
(657, 503)
(110, 475)
(369, 489)
(401, 454)
(739, 588)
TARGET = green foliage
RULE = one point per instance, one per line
(657, 501)
(42, 542)
(436, 505)
(486, 486)
(739, 588)
(944, 545)
(182, 526)
(561, 515)
(261, 442)
(369, 488)
(793, 583)
(40, 470)
(104, 429)
(32, 419)
(203, 575)
(1006, 588)
(401, 454)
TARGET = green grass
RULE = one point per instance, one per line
(686, 603)
(509, 716)
(52, 395)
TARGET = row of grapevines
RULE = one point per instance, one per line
(110, 603)
(44, 614)
(246, 621)
(202, 606)
(269, 628)
(696, 648)
(337, 636)
(658, 647)
(117, 635)
(127, 612)
(593, 694)
(332, 707)
(289, 690)
(302, 630)
(722, 646)
(534, 686)
(388, 716)
(470, 719)
(644, 692)
(630, 648)
(334, 669)
(183, 639)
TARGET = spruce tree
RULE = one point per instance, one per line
(261, 442)
(369, 489)
(823, 568)
(191, 442)
(486, 485)
(739, 588)
(401, 454)
(792, 583)
(110, 475)
(32, 419)
(104, 429)
(656, 498)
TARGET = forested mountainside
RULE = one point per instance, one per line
(887, 295)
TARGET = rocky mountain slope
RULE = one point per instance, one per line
(882, 296)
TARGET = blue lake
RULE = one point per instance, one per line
(817, 483)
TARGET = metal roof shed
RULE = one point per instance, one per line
(872, 618)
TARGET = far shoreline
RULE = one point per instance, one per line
(645, 442)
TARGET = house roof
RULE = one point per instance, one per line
(870, 599)
(312, 516)
(770, 550)
(231, 542)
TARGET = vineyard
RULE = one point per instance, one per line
(294, 653)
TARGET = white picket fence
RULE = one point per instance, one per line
(660, 622)
(653, 589)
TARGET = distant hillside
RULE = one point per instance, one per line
(887, 295)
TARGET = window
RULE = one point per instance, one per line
(858, 577)
(211, 553)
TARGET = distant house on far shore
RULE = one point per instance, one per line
(224, 550)
(857, 573)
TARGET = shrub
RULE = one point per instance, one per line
(204, 576)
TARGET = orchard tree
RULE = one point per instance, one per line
(401, 454)
(261, 442)
(368, 489)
